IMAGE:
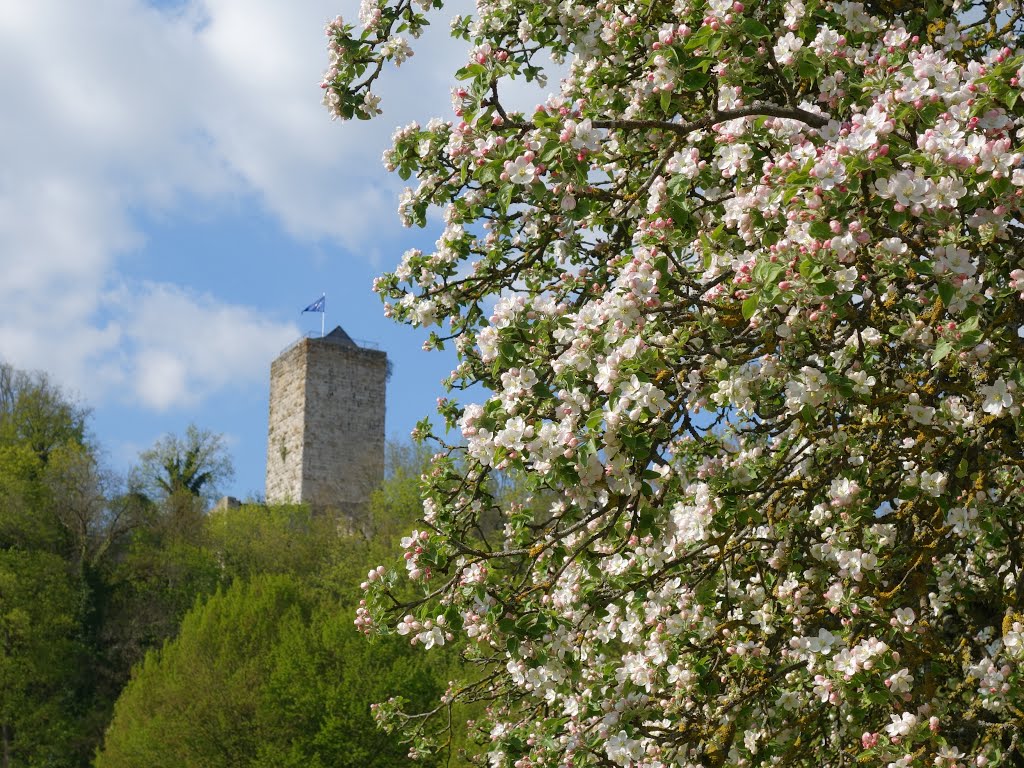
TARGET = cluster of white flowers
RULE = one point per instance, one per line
(744, 300)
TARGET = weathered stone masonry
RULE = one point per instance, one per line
(325, 443)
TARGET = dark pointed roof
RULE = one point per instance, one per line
(338, 336)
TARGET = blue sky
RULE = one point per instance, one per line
(172, 194)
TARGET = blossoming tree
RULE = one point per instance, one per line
(746, 294)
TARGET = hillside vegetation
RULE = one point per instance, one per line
(140, 628)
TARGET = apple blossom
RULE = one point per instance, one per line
(739, 303)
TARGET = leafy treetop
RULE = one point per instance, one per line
(193, 465)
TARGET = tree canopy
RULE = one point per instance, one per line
(265, 674)
(90, 576)
(193, 465)
(269, 670)
(37, 414)
(40, 663)
(746, 293)
(224, 636)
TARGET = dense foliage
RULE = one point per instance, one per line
(54, 541)
(269, 674)
(237, 621)
(40, 658)
(746, 292)
(195, 464)
(269, 671)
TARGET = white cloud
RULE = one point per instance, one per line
(161, 378)
(185, 346)
(114, 108)
(117, 108)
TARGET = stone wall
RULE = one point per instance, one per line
(325, 443)
(285, 437)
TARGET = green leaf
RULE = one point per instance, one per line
(755, 28)
(923, 267)
(820, 230)
(505, 197)
(808, 69)
(946, 293)
(469, 72)
(826, 288)
(530, 624)
(665, 99)
(774, 271)
(694, 80)
(698, 38)
(970, 339)
(453, 617)
(970, 324)
(808, 415)
(749, 306)
(487, 174)
(768, 272)
(809, 269)
(942, 349)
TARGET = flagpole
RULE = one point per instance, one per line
(323, 314)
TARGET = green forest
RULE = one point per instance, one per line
(142, 626)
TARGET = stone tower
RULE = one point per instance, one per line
(325, 443)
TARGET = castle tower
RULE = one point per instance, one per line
(325, 443)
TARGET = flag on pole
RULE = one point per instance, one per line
(318, 305)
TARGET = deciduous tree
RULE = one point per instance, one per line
(37, 413)
(265, 674)
(41, 658)
(746, 294)
(193, 465)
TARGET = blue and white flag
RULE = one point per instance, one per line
(318, 305)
